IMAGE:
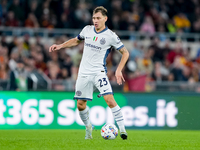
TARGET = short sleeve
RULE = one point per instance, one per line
(81, 36)
(116, 42)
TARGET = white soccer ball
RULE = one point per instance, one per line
(109, 131)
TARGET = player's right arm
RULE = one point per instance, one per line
(70, 43)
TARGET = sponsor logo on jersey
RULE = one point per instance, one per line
(95, 38)
(93, 46)
(102, 41)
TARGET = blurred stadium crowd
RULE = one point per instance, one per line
(135, 15)
(19, 58)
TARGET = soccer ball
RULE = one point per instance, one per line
(109, 131)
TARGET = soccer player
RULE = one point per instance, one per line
(98, 42)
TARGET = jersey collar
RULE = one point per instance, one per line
(101, 31)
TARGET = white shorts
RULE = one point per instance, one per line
(85, 85)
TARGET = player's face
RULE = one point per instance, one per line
(99, 21)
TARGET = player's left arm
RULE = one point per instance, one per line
(118, 73)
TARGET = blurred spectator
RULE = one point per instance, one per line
(172, 8)
(115, 22)
(3, 55)
(177, 70)
(3, 62)
(76, 59)
(65, 23)
(145, 64)
(160, 73)
(54, 58)
(181, 21)
(35, 9)
(3, 11)
(17, 10)
(136, 52)
(3, 71)
(196, 26)
(111, 75)
(19, 77)
(66, 16)
(21, 50)
(13, 60)
(63, 74)
(198, 53)
(26, 44)
(31, 21)
(66, 7)
(186, 59)
(158, 53)
(162, 36)
(46, 21)
(41, 48)
(196, 11)
(176, 52)
(10, 20)
(33, 51)
(39, 41)
(83, 15)
(147, 26)
(195, 74)
(131, 29)
(163, 10)
(3, 41)
(180, 72)
(154, 14)
(124, 21)
(186, 73)
(170, 77)
(171, 27)
(135, 15)
(166, 49)
(116, 8)
(12, 44)
(39, 62)
(67, 64)
(53, 70)
(29, 63)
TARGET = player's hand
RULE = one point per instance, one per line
(54, 47)
(119, 77)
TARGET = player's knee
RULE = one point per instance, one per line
(111, 103)
(81, 105)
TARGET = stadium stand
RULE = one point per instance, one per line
(164, 45)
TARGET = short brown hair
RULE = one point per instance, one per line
(100, 9)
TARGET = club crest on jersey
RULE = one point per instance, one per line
(78, 93)
(102, 41)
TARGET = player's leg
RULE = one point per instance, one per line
(117, 114)
(103, 85)
(84, 115)
(83, 111)
(84, 92)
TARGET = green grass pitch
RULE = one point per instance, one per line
(74, 140)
